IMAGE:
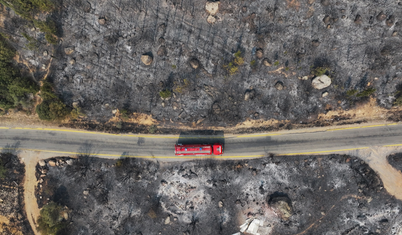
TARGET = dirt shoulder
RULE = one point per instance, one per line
(369, 113)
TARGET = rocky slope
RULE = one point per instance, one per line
(296, 195)
(122, 54)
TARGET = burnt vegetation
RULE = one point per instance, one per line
(292, 195)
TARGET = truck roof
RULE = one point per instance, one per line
(193, 149)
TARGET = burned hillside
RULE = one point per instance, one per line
(217, 63)
(13, 218)
(298, 195)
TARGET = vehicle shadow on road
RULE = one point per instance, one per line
(202, 137)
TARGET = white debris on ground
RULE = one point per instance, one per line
(251, 226)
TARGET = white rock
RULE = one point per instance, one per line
(324, 94)
(321, 82)
(86, 192)
(167, 220)
(52, 163)
(211, 19)
(146, 59)
(69, 162)
(220, 204)
(42, 163)
(212, 7)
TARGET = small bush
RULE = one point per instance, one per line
(52, 110)
(76, 113)
(233, 66)
(276, 63)
(174, 66)
(351, 92)
(320, 71)
(253, 63)
(50, 220)
(3, 170)
(165, 94)
(49, 28)
(366, 92)
(152, 129)
(124, 114)
(398, 101)
(119, 125)
(181, 88)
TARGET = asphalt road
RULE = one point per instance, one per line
(69, 142)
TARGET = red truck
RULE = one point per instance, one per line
(197, 149)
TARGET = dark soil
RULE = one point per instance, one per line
(12, 196)
(327, 195)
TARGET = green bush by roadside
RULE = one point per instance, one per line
(50, 220)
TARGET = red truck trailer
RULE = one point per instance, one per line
(197, 149)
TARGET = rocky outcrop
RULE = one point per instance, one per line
(69, 50)
(146, 59)
(279, 85)
(249, 94)
(212, 7)
(194, 63)
(281, 204)
(321, 82)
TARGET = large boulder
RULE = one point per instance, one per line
(194, 63)
(249, 94)
(212, 7)
(259, 53)
(281, 204)
(146, 59)
(279, 85)
(69, 50)
(321, 82)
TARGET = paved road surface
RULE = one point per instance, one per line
(67, 142)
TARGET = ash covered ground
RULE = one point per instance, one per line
(97, 63)
(294, 195)
(13, 218)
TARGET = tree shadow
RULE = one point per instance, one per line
(12, 148)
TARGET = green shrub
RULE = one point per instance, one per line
(152, 129)
(50, 220)
(276, 63)
(366, 93)
(253, 63)
(49, 28)
(124, 114)
(174, 66)
(28, 8)
(398, 101)
(165, 94)
(52, 110)
(76, 113)
(119, 125)
(233, 66)
(13, 87)
(351, 92)
(3, 170)
(320, 71)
